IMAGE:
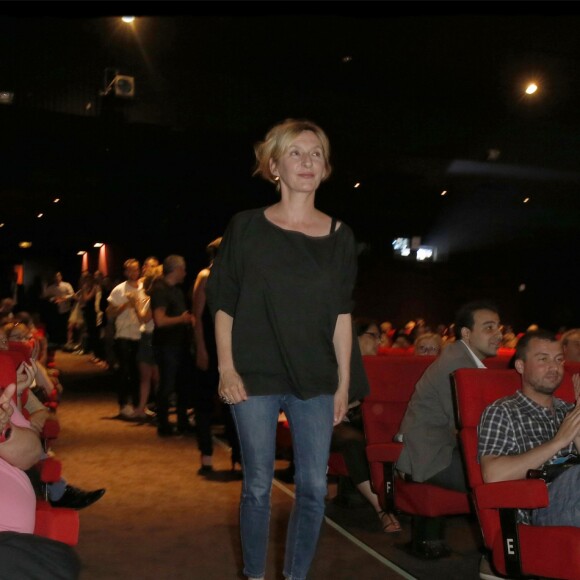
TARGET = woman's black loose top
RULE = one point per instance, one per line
(284, 290)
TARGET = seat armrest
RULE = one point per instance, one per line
(384, 452)
(520, 494)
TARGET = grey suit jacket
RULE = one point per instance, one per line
(428, 427)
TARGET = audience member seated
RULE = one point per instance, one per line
(60, 493)
(46, 385)
(535, 430)
(23, 554)
(428, 344)
(430, 452)
(387, 334)
(509, 339)
(403, 341)
(571, 345)
(20, 449)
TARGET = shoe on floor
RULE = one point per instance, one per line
(486, 571)
(127, 411)
(78, 499)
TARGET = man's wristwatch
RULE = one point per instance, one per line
(5, 435)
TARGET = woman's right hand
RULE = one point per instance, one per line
(231, 388)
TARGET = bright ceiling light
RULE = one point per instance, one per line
(357, 185)
(128, 19)
(531, 88)
(97, 244)
(81, 253)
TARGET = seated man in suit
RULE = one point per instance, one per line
(428, 430)
(532, 429)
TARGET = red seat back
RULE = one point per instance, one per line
(500, 361)
(392, 383)
(26, 347)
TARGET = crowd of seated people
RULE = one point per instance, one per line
(38, 391)
(404, 339)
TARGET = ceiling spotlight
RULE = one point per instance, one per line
(357, 185)
(444, 192)
(98, 244)
(531, 88)
(128, 19)
(526, 200)
(2, 225)
(39, 215)
(81, 253)
(56, 200)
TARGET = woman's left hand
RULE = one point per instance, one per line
(340, 405)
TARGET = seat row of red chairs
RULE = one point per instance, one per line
(517, 550)
(60, 524)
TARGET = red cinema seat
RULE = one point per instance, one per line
(517, 550)
(392, 381)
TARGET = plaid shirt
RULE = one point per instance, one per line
(516, 424)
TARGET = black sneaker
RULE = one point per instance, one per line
(78, 499)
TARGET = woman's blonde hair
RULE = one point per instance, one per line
(278, 140)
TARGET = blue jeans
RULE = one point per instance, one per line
(564, 506)
(310, 422)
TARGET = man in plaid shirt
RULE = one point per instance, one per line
(533, 428)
